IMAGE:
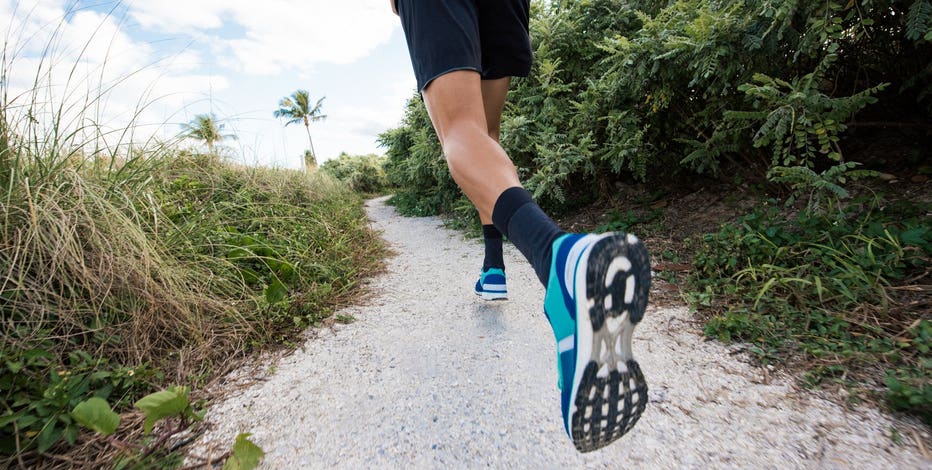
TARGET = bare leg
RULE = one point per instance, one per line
(477, 162)
(494, 93)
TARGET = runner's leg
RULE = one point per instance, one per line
(494, 93)
(596, 285)
(477, 162)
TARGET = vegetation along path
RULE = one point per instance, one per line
(432, 377)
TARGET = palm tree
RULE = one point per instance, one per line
(204, 127)
(296, 109)
(309, 160)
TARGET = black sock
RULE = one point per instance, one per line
(521, 220)
(493, 248)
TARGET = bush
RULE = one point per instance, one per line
(416, 166)
(626, 89)
(363, 173)
(126, 268)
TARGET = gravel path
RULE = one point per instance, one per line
(429, 376)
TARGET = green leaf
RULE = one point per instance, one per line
(95, 413)
(49, 436)
(100, 375)
(239, 253)
(275, 292)
(37, 356)
(164, 404)
(71, 435)
(246, 454)
(250, 276)
(915, 236)
(24, 421)
(7, 419)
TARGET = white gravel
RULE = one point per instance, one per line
(429, 376)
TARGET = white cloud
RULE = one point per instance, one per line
(82, 66)
(155, 64)
(28, 24)
(178, 16)
(276, 36)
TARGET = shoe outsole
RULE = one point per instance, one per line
(487, 296)
(610, 392)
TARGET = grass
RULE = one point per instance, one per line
(158, 271)
(129, 267)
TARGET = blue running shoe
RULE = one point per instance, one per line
(596, 294)
(491, 285)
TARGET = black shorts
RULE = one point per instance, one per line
(488, 36)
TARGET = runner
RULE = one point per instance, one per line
(464, 53)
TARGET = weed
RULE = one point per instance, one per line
(895, 436)
(173, 408)
(245, 456)
(825, 290)
(345, 319)
(671, 256)
(668, 276)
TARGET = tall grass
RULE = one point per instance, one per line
(126, 266)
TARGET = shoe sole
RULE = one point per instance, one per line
(492, 296)
(609, 391)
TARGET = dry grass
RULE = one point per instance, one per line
(78, 262)
(126, 261)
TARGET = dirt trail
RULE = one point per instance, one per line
(429, 376)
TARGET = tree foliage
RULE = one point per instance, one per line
(416, 165)
(206, 128)
(626, 89)
(363, 173)
(297, 109)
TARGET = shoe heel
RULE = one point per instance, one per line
(618, 279)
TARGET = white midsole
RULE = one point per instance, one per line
(583, 321)
(492, 295)
(620, 326)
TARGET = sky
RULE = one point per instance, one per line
(158, 64)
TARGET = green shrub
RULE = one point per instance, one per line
(910, 388)
(416, 166)
(363, 173)
(653, 90)
(821, 290)
(128, 267)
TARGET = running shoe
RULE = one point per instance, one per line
(491, 285)
(596, 294)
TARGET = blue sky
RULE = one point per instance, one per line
(237, 58)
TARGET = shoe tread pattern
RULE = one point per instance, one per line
(607, 407)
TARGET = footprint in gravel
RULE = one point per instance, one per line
(490, 319)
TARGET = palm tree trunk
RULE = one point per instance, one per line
(310, 141)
